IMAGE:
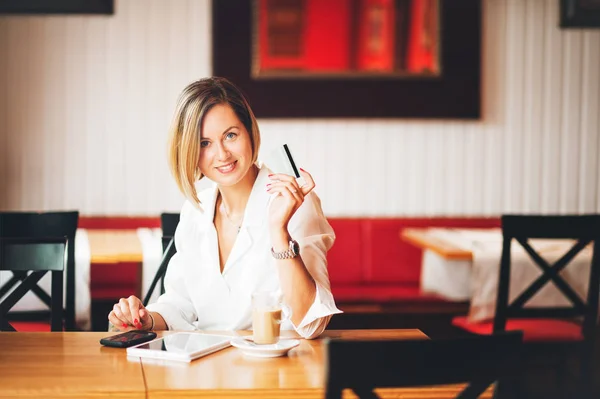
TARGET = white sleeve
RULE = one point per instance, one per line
(175, 305)
(315, 236)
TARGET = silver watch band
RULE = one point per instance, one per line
(290, 253)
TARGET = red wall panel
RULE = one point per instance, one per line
(327, 35)
(345, 258)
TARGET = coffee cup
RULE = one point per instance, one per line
(267, 316)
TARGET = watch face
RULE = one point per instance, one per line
(295, 247)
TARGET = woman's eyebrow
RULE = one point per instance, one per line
(229, 128)
(224, 132)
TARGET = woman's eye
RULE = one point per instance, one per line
(204, 144)
(231, 135)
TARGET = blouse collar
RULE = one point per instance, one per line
(255, 214)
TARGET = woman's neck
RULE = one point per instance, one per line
(235, 198)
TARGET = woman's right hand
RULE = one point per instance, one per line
(130, 314)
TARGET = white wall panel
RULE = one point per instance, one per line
(85, 103)
(3, 113)
(552, 102)
(589, 168)
(533, 92)
(570, 121)
(512, 182)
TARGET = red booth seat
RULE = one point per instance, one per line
(28, 326)
(536, 330)
(369, 262)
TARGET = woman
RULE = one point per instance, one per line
(253, 231)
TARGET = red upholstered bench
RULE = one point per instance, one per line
(369, 263)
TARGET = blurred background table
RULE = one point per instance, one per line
(115, 246)
(463, 265)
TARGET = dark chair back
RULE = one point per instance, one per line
(479, 361)
(43, 225)
(168, 223)
(582, 228)
(38, 255)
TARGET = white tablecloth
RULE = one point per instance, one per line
(477, 281)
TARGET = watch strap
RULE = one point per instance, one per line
(290, 253)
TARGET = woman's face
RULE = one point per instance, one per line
(225, 147)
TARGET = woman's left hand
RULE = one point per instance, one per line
(289, 197)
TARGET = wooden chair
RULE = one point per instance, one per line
(168, 222)
(479, 361)
(43, 225)
(38, 256)
(575, 325)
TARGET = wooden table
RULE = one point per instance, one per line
(75, 365)
(115, 246)
(70, 364)
(423, 239)
(230, 374)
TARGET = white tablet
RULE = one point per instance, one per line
(181, 346)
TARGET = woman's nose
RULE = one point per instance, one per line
(223, 152)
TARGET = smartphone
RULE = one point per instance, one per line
(129, 338)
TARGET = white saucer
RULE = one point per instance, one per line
(275, 350)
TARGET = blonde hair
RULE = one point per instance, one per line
(184, 134)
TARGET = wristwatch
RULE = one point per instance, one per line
(292, 251)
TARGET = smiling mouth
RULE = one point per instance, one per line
(227, 168)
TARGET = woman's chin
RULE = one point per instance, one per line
(227, 179)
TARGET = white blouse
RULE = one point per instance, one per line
(198, 296)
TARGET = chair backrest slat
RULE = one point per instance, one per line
(168, 223)
(25, 255)
(161, 271)
(551, 226)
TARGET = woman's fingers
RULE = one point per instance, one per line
(283, 187)
(145, 318)
(118, 314)
(129, 309)
(285, 192)
(309, 183)
(125, 311)
(117, 319)
(134, 310)
(282, 177)
(287, 180)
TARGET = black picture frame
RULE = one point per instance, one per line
(57, 7)
(454, 94)
(580, 13)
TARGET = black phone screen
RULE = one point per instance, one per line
(128, 338)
